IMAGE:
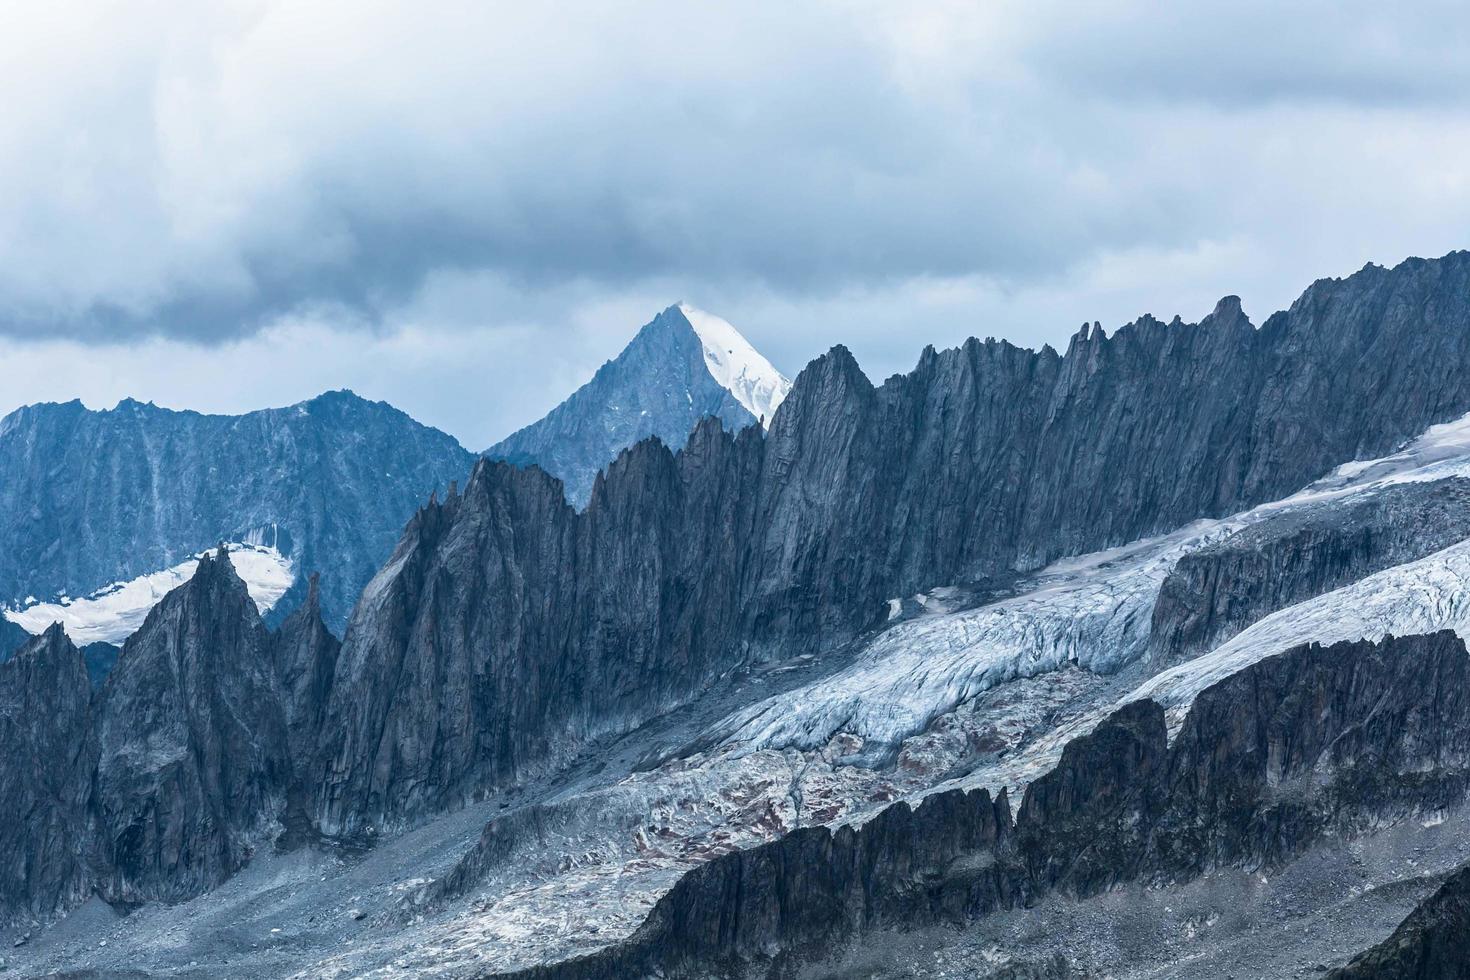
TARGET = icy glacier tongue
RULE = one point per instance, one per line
(112, 614)
(1094, 611)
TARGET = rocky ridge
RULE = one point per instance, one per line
(1316, 741)
(514, 629)
(166, 781)
(330, 480)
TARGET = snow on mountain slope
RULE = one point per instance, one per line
(738, 367)
(682, 366)
(1417, 597)
(1094, 611)
(112, 614)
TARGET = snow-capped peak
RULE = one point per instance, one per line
(736, 366)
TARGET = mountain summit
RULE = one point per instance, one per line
(682, 366)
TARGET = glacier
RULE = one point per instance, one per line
(113, 613)
(944, 698)
(1421, 596)
(1094, 611)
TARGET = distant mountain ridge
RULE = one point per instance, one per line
(682, 366)
(89, 498)
(1179, 591)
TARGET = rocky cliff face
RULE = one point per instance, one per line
(304, 653)
(195, 756)
(508, 629)
(12, 638)
(662, 383)
(46, 781)
(1315, 741)
(331, 479)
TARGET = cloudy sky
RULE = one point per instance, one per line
(465, 208)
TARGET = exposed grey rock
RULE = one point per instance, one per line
(508, 630)
(88, 498)
(194, 754)
(100, 659)
(658, 386)
(305, 656)
(1316, 741)
(1433, 943)
(46, 781)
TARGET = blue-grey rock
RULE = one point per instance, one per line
(194, 756)
(89, 498)
(50, 754)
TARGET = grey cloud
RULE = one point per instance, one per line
(336, 160)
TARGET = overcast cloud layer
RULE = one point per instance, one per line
(464, 208)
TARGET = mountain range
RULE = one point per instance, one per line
(1141, 659)
(682, 366)
(101, 513)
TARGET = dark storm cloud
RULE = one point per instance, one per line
(200, 175)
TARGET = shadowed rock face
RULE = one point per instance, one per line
(161, 784)
(1317, 741)
(12, 638)
(1432, 943)
(46, 781)
(305, 656)
(508, 629)
(194, 752)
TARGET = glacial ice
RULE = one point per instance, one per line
(1095, 611)
(1421, 596)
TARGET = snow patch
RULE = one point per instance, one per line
(1421, 596)
(736, 366)
(113, 613)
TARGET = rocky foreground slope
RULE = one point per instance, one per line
(1433, 943)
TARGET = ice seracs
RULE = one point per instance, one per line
(738, 367)
(112, 614)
